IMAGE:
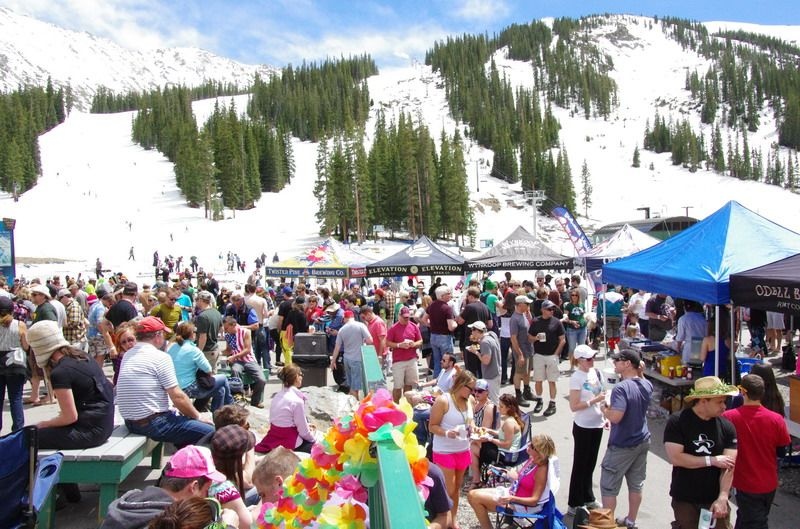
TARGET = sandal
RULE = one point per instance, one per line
(31, 401)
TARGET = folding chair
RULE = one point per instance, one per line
(548, 518)
(25, 481)
(511, 458)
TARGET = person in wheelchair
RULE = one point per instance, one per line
(85, 396)
(530, 489)
(487, 442)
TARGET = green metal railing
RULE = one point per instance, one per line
(393, 502)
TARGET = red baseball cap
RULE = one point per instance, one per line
(150, 324)
(348, 314)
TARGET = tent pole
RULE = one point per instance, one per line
(605, 319)
(717, 347)
(733, 335)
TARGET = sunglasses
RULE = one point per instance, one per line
(471, 388)
(477, 391)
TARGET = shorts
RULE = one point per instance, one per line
(525, 366)
(97, 346)
(353, 374)
(405, 373)
(545, 367)
(454, 461)
(629, 463)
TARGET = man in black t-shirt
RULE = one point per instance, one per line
(701, 445)
(120, 312)
(548, 337)
(475, 310)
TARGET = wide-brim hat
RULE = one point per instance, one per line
(45, 337)
(41, 289)
(601, 519)
(710, 387)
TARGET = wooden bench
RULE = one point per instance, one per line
(107, 466)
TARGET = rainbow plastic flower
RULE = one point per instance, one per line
(343, 516)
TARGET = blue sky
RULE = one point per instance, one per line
(277, 32)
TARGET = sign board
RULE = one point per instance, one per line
(7, 257)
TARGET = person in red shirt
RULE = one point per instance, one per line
(404, 339)
(760, 433)
(377, 329)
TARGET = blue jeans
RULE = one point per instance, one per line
(173, 428)
(220, 394)
(505, 349)
(575, 337)
(440, 344)
(14, 385)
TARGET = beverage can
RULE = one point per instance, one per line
(689, 373)
(671, 372)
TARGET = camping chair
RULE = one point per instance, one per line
(25, 481)
(510, 458)
(548, 518)
(544, 519)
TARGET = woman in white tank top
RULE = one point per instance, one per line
(450, 423)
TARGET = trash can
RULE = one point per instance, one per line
(311, 356)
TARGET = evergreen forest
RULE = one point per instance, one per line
(105, 101)
(518, 124)
(750, 76)
(24, 115)
(402, 183)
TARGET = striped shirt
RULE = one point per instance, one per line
(144, 378)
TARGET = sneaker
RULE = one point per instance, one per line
(624, 522)
(551, 409)
(594, 505)
(539, 405)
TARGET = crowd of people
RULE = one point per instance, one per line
(166, 342)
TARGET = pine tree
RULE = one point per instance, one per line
(636, 160)
(586, 186)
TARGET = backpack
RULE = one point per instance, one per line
(484, 296)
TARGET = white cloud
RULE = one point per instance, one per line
(384, 47)
(482, 9)
(134, 24)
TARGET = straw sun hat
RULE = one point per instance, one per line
(709, 387)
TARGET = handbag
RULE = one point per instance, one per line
(205, 380)
(17, 357)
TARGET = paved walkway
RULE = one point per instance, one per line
(655, 512)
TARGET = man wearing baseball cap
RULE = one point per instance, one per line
(549, 339)
(188, 474)
(629, 439)
(404, 339)
(147, 383)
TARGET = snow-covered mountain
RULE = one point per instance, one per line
(90, 163)
(32, 50)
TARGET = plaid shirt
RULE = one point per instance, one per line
(390, 299)
(75, 324)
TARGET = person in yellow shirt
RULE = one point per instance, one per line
(169, 312)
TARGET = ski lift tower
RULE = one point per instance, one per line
(537, 199)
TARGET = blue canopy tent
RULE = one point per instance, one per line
(696, 263)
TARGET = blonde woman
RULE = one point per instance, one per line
(450, 423)
(530, 489)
